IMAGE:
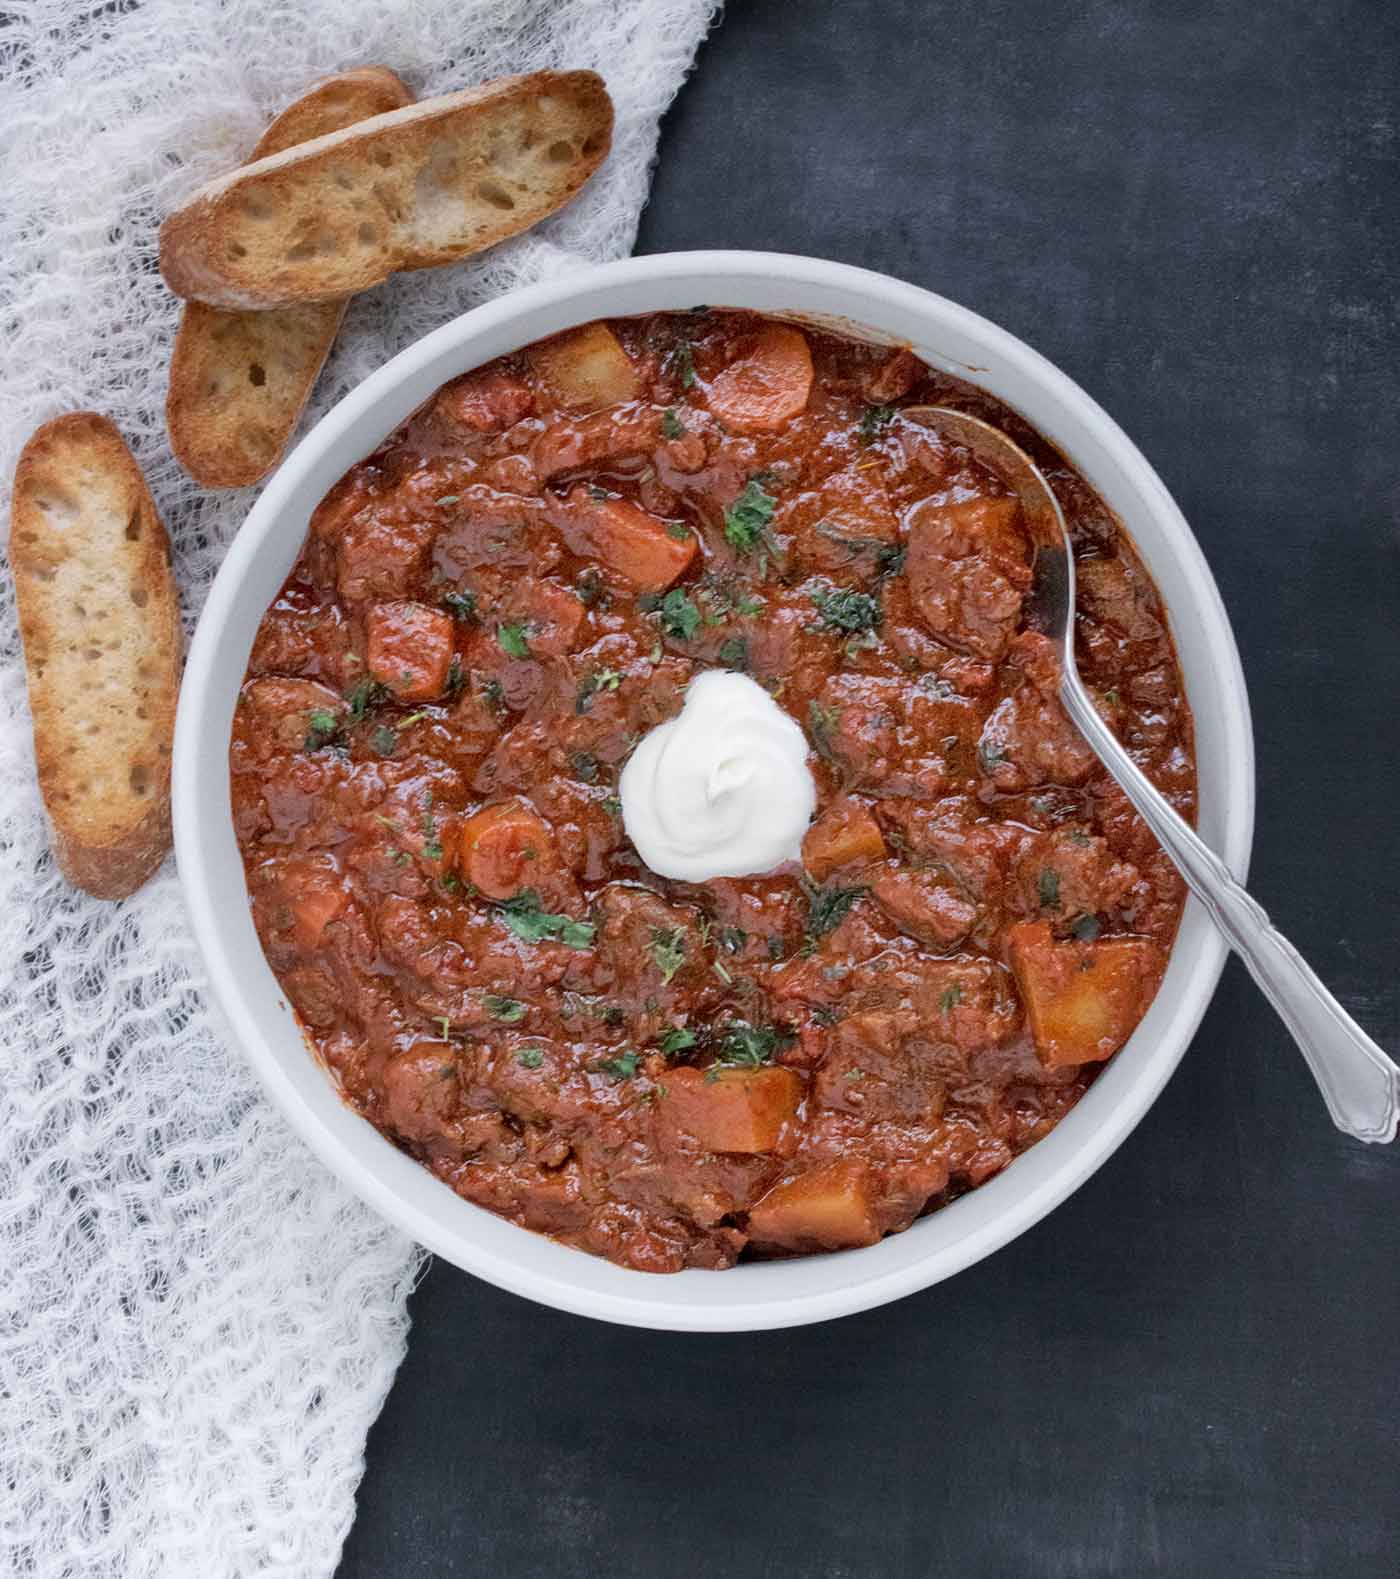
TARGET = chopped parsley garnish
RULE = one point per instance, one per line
(677, 1040)
(671, 425)
(746, 520)
(950, 997)
(589, 589)
(512, 640)
(679, 616)
(683, 364)
(748, 1046)
(889, 557)
(384, 740)
(613, 806)
(509, 1011)
(523, 916)
(733, 939)
(322, 729)
(846, 610)
(456, 677)
(1087, 928)
(734, 652)
(874, 420)
(461, 605)
(365, 697)
(667, 949)
(677, 530)
(623, 1067)
(595, 492)
(989, 755)
(495, 695)
(822, 721)
(530, 1057)
(1048, 888)
(585, 767)
(591, 684)
(830, 906)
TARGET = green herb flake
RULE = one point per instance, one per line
(1087, 928)
(1048, 888)
(495, 695)
(445, 1021)
(671, 425)
(461, 605)
(746, 1046)
(989, 755)
(530, 1057)
(733, 939)
(384, 739)
(734, 653)
(829, 907)
(679, 616)
(456, 678)
(585, 767)
(511, 639)
(509, 1011)
(874, 421)
(682, 364)
(822, 722)
(322, 729)
(522, 914)
(448, 498)
(623, 1067)
(591, 684)
(667, 949)
(678, 531)
(950, 997)
(844, 609)
(613, 806)
(746, 519)
(364, 697)
(677, 1040)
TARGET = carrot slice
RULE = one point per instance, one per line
(767, 385)
(628, 539)
(500, 850)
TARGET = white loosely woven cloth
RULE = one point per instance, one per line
(197, 1322)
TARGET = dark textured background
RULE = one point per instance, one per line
(1190, 1367)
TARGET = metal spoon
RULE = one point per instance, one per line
(1359, 1083)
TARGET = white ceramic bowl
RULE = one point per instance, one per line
(771, 1294)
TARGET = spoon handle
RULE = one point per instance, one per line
(1359, 1083)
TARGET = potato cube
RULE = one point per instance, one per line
(740, 1110)
(1083, 999)
(409, 649)
(585, 368)
(844, 833)
(826, 1208)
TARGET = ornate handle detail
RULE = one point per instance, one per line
(1359, 1083)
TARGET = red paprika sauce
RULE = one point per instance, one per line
(488, 614)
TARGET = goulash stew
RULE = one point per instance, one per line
(488, 616)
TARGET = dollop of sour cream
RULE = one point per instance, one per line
(722, 790)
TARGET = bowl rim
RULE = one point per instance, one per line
(821, 1287)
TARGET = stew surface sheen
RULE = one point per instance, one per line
(487, 616)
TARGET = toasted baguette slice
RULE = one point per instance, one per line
(420, 186)
(101, 626)
(238, 381)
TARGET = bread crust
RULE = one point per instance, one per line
(427, 184)
(100, 621)
(240, 380)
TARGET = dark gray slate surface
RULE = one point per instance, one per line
(1190, 1367)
